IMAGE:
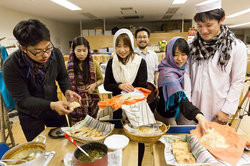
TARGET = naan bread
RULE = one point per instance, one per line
(182, 153)
(74, 105)
(87, 132)
(127, 96)
(184, 157)
(181, 145)
(214, 139)
(148, 130)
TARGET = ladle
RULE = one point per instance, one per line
(32, 155)
(13, 160)
(74, 142)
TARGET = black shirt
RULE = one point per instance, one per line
(186, 107)
(111, 85)
(32, 98)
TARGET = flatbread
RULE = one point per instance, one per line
(214, 139)
(181, 145)
(184, 157)
(74, 105)
(148, 130)
(87, 132)
(181, 152)
(127, 96)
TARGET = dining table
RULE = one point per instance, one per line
(154, 152)
(62, 146)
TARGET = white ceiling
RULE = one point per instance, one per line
(110, 10)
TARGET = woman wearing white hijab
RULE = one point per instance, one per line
(126, 70)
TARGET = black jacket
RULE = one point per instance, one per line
(111, 85)
(186, 107)
(31, 98)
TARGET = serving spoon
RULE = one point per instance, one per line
(30, 157)
(4, 162)
(74, 142)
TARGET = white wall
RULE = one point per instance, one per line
(61, 33)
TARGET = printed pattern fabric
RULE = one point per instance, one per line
(89, 101)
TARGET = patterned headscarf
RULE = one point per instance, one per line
(89, 101)
(171, 77)
(36, 70)
(202, 50)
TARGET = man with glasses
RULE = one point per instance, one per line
(30, 75)
(142, 36)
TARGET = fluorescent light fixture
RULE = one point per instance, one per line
(179, 2)
(238, 25)
(67, 4)
(239, 13)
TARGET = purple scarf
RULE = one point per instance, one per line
(171, 76)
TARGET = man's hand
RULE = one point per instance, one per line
(221, 118)
(72, 96)
(126, 87)
(90, 88)
(203, 123)
(61, 107)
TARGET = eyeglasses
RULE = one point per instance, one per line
(142, 37)
(48, 50)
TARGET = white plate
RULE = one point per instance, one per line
(116, 141)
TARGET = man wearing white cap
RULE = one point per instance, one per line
(216, 69)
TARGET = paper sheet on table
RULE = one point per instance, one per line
(115, 158)
(231, 154)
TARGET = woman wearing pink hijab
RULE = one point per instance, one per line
(173, 100)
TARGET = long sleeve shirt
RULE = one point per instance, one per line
(111, 85)
(186, 107)
(212, 89)
(31, 97)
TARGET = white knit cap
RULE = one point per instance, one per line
(128, 32)
(208, 6)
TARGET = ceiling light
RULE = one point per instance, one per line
(239, 13)
(67, 4)
(179, 2)
(238, 25)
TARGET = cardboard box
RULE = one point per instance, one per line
(91, 32)
(98, 32)
(108, 32)
(85, 32)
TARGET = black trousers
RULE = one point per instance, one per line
(153, 105)
(33, 126)
(141, 150)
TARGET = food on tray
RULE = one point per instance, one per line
(87, 132)
(177, 144)
(128, 96)
(148, 130)
(214, 139)
(182, 153)
(74, 105)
